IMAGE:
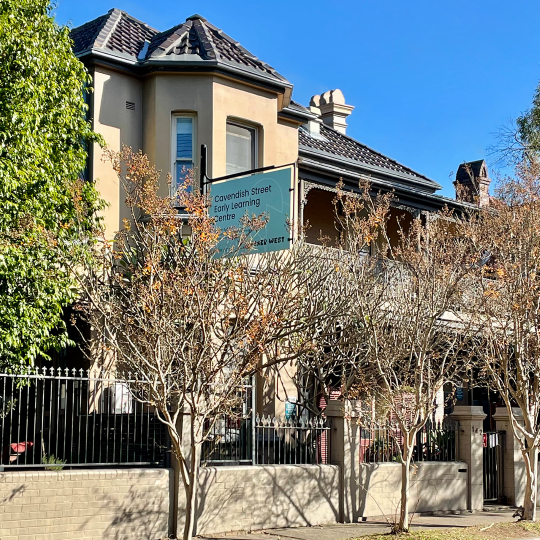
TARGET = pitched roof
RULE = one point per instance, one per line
(193, 42)
(332, 143)
(116, 32)
(471, 170)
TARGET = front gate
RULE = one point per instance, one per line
(493, 465)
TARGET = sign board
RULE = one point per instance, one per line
(290, 408)
(267, 192)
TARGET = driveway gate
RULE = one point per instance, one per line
(493, 465)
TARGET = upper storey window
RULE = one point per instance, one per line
(183, 149)
(241, 148)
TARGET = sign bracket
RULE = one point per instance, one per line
(205, 179)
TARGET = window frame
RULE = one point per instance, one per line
(175, 160)
(254, 143)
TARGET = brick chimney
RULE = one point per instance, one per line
(472, 183)
(333, 109)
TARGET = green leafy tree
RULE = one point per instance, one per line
(528, 127)
(44, 202)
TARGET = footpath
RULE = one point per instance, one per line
(375, 526)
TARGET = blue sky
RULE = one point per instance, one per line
(432, 82)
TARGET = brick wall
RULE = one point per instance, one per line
(265, 496)
(107, 503)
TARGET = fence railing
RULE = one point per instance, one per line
(263, 440)
(229, 439)
(56, 418)
(436, 441)
(294, 441)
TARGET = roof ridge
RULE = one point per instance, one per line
(134, 19)
(203, 23)
(115, 15)
(173, 38)
(326, 126)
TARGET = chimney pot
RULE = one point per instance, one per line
(333, 109)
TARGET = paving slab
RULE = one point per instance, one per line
(372, 526)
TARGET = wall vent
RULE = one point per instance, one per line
(130, 105)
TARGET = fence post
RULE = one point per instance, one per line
(514, 473)
(344, 452)
(471, 450)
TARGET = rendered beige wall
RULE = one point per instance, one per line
(166, 94)
(119, 126)
(211, 99)
(265, 496)
(64, 505)
(278, 143)
(435, 487)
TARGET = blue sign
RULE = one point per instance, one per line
(268, 192)
(290, 408)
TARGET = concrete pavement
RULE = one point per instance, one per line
(375, 526)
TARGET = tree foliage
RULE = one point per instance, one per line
(43, 203)
(507, 308)
(405, 317)
(190, 322)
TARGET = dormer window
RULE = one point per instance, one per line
(241, 148)
(183, 149)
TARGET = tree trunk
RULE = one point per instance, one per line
(403, 525)
(530, 456)
(191, 492)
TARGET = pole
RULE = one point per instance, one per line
(203, 168)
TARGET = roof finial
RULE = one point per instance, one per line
(196, 17)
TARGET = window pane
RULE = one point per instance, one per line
(184, 138)
(182, 169)
(240, 149)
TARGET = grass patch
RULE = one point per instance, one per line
(499, 531)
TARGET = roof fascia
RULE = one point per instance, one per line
(356, 165)
(145, 68)
(415, 198)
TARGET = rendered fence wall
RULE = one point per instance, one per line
(435, 487)
(56, 505)
(250, 498)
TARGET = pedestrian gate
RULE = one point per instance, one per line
(493, 465)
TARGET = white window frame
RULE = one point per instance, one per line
(174, 159)
(246, 125)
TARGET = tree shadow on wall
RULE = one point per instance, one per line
(139, 514)
(15, 492)
(263, 497)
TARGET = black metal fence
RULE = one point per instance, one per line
(229, 439)
(493, 450)
(54, 418)
(293, 441)
(436, 441)
(263, 440)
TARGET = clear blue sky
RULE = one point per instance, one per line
(432, 81)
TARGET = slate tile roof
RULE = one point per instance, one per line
(84, 36)
(195, 40)
(335, 143)
(116, 31)
(129, 35)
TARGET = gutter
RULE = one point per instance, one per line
(421, 198)
(148, 66)
(357, 165)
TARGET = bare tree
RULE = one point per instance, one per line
(507, 307)
(406, 302)
(191, 321)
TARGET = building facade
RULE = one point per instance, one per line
(168, 93)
